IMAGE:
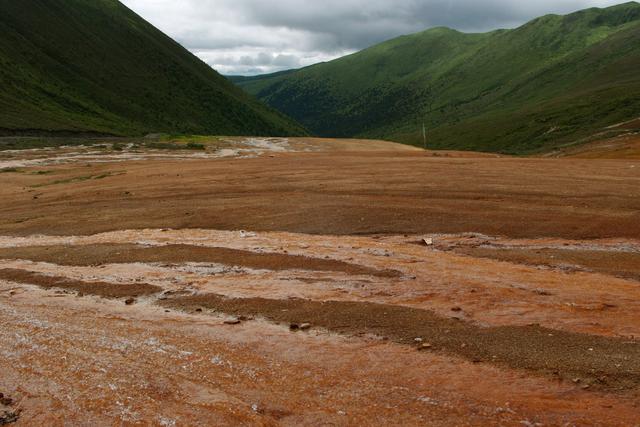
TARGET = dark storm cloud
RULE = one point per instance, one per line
(255, 36)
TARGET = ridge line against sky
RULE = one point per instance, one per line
(249, 37)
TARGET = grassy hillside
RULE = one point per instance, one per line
(78, 66)
(554, 80)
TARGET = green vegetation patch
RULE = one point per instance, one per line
(554, 80)
(100, 70)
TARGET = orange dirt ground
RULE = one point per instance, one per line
(318, 282)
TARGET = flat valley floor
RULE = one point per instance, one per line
(317, 282)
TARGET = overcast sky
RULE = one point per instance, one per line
(260, 36)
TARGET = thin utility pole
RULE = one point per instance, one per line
(424, 135)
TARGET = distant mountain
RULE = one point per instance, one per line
(94, 66)
(554, 80)
(241, 80)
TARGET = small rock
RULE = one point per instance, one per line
(9, 417)
(294, 327)
(233, 321)
(425, 346)
(456, 309)
(305, 326)
(428, 242)
(198, 310)
(418, 340)
(130, 301)
(6, 401)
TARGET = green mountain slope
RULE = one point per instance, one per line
(555, 79)
(97, 67)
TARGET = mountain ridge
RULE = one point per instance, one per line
(513, 91)
(71, 66)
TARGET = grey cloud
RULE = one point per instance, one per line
(255, 36)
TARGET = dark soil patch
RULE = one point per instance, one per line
(592, 361)
(118, 254)
(9, 417)
(625, 265)
(102, 289)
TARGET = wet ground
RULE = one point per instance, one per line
(120, 309)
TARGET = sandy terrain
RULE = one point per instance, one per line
(317, 282)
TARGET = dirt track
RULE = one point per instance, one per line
(438, 288)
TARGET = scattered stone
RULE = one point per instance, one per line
(9, 417)
(418, 340)
(425, 346)
(130, 301)
(232, 321)
(6, 401)
(305, 326)
(428, 241)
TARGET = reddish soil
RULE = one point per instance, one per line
(594, 361)
(333, 193)
(114, 254)
(620, 264)
(621, 147)
(519, 278)
(102, 289)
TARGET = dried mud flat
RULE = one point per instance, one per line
(380, 287)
